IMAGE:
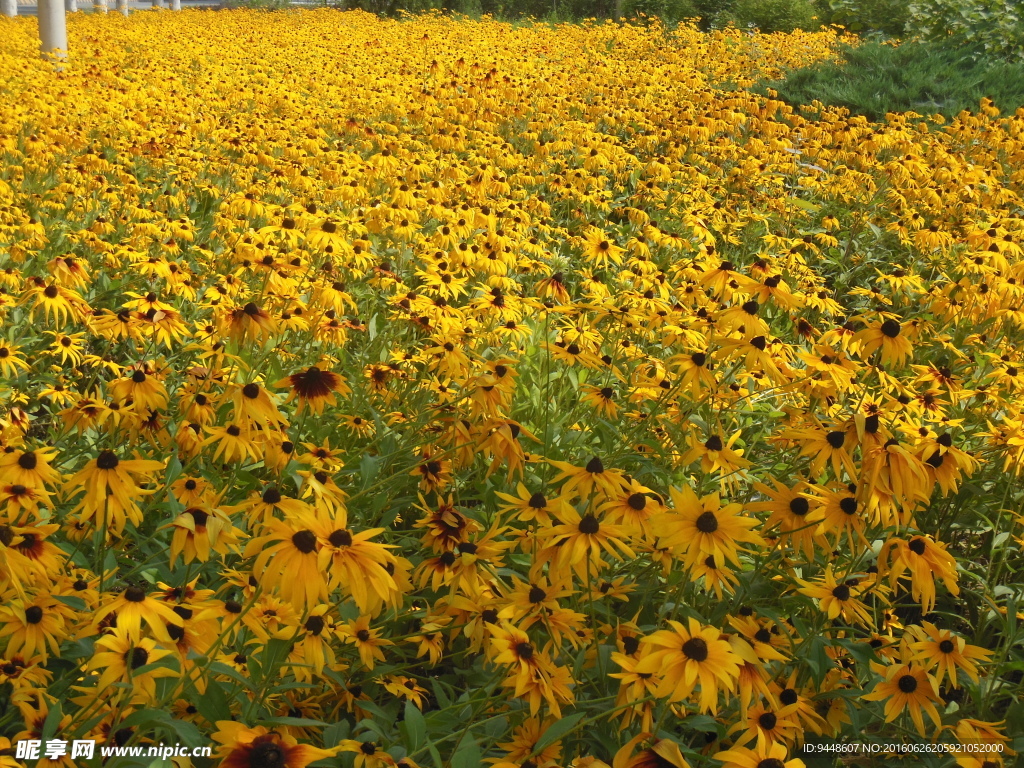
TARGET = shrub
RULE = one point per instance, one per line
(993, 28)
(875, 78)
(670, 10)
(775, 15)
(889, 17)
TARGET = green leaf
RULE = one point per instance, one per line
(368, 468)
(188, 733)
(557, 730)
(806, 205)
(72, 601)
(221, 668)
(336, 732)
(53, 718)
(214, 705)
(299, 722)
(468, 755)
(415, 726)
(703, 723)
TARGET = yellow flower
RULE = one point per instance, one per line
(907, 687)
(688, 656)
(701, 527)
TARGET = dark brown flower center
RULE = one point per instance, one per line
(696, 649)
(637, 501)
(836, 439)
(907, 683)
(707, 523)
(266, 754)
(107, 460)
(340, 538)
(137, 657)
(891, 328)
(304, 541)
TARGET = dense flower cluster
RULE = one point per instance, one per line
(434, 392)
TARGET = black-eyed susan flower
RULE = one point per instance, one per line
(837, 598)
(120, 659)
(946, 652)
(112, 489)
(765, 754)
(689, 656)
(702, 527)
(258, 747)
(662, 753)
(531, 673)
(906, 688)
(133, 606)
(287, 559)
(890, 336)
(315, 388)
(925, 560)
(367, 640)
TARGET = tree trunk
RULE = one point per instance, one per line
(158, 3)
(122, 6)
(99, 6)
(53, 32)
(9, 7)
(175, 5)
(71, 6)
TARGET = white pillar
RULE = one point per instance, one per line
(158, 3)
(53, 31)
(122, 6)
(175, 5)
(99, 6)
(9, 7)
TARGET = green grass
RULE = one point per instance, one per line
(928, 78)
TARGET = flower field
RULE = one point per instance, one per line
(430, 392)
